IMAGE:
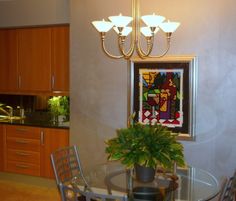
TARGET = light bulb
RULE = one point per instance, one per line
(169, 27)
(120, 20)
(102, 26)
(146, 31)
(153, 20)
(125, 32)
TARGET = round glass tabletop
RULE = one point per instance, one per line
(192, 183)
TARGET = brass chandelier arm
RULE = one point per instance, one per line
(168, 37)
(141, 53)
(121, 42)
(143, 30)
(105, 50)
(137, 34)
(121, 39)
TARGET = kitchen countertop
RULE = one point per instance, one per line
(37, 120)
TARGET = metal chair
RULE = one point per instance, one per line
(228, 193)
(69, 174)
(224, 181)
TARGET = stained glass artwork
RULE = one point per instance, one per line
(161, 96)
(163, 91)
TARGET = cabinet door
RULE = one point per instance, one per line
(53, 139)
(60, 59)
(8, 60)
(34, 59)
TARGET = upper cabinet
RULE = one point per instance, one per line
(35, 60)
(60, 59)
(8, 60)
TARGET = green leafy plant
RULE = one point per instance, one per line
(145, 145)
(65, 106)
(59, 105)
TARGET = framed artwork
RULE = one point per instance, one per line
(164, 91)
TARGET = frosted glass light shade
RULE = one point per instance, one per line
(125, 32)
(169, 27)
(102, 26)
(120, 20)
(152, 20)
(146, 31)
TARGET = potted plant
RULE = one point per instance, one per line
(59, 106)
(148, 146)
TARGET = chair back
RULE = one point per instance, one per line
(228, 193)
(223, 182)
(67, 169)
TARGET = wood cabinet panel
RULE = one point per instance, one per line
(23, 144)
(8, 60)
(23, 168)
(60, 59)
(24, 156)
(26, 150)
(34, 59)
(22, 149)
(53, 139)
(23, 132)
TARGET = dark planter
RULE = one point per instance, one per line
(144, 174)
(145, 193)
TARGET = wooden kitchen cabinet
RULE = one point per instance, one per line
(8, 60)
(22, 150)
(27, 149)
(53, 139)
(34, 60)
(60, 59)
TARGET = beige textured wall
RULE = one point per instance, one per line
(33, 12)
(99, 84)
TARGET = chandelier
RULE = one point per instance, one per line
(120, 24)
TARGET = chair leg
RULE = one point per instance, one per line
(63, 196)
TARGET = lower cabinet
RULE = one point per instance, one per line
(52, 140)
(21, 148)
(27, 149)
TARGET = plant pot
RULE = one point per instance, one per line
(145, 193)
(54, 118)
(144, 174)
(61, 118)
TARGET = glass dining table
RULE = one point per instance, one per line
(191, 184)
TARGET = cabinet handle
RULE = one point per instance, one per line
(53, 81)
(22, 154)
(42, 137)
(22, 141)
(22, 166)
(22, 129)
(19, 81)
